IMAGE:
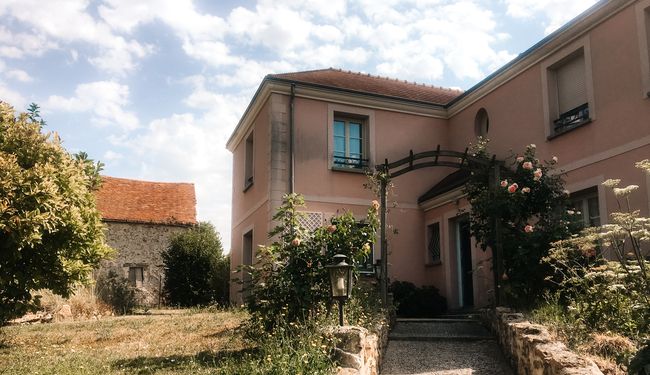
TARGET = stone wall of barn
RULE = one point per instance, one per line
(139, 248)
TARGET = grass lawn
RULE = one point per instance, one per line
(165, 342)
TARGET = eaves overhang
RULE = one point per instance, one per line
(330, 94)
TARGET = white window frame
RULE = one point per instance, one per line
(549, 87)
(642, 9)
(367, 119)
(578, 187)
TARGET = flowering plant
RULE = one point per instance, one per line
(289, 281)
(611, 295)
(529, 203)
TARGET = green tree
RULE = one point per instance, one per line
(51, 234)
(196, 272)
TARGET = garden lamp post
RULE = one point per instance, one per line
(340, 282)
(378, 269)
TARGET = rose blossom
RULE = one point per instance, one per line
(555, 159)
(504, 183)
(528, 228)
(525, 190)
(537, 174)
(527, 165)
(375, 204)
(520, 159)
(512, 188)
(295, 242)
(331, 228)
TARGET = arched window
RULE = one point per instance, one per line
(481, 123)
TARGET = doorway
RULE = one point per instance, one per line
(464, 263)
(247, 260)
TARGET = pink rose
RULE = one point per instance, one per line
(375, 204)
(331, 228)
(528, 228)
(504, 183)
(555, 159)
(512, 188)
(525, 189)
(504, 277)
(537, 174)
(527, 165)
(520, 159)
(295, 242)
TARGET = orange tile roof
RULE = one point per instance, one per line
(125, 200)
(370, 84)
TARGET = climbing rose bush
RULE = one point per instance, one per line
(530, 203)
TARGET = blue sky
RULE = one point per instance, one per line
(153, 88)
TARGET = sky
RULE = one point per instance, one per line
(154, 88)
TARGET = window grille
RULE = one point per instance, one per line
(433, 246)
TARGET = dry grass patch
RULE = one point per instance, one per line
(180, 342)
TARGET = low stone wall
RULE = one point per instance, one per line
(358, 350)
(530, 349)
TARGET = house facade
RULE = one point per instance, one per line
(140, 219)
(581, 94)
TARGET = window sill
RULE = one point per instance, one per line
(568, 129)
(350, 170)
(247, 186)
(433, 264)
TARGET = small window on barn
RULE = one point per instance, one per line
(481, 123)
(136, 276)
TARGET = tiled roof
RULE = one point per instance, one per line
(125, 200)
(369, 84)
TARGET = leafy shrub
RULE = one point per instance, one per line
(291, 348)
(115, 291)
(640, 364)
(196, 272)
(289, 279)
(530, 205)
(417, 302)
(51, 234)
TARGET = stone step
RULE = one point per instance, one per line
(437, 320)
(439, 338)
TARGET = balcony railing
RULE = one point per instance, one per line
(572, 118)
(350, 162)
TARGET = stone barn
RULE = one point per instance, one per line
(140, 218)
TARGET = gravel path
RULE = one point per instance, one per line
(443, 348)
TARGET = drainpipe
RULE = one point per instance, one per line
(291, 121)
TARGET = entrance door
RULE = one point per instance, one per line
(464, 256)
(247, 260)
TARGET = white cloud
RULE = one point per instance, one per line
(555, 12)
(68, 21)
(18, 75)
(105, 100)
(17, 45)
(12, 97)
(183, 147)
(111, 156)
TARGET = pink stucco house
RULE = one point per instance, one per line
(581, 94)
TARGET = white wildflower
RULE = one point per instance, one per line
(612, 182)
(624, 192)
(644, 164)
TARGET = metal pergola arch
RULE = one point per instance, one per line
(460, 160)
